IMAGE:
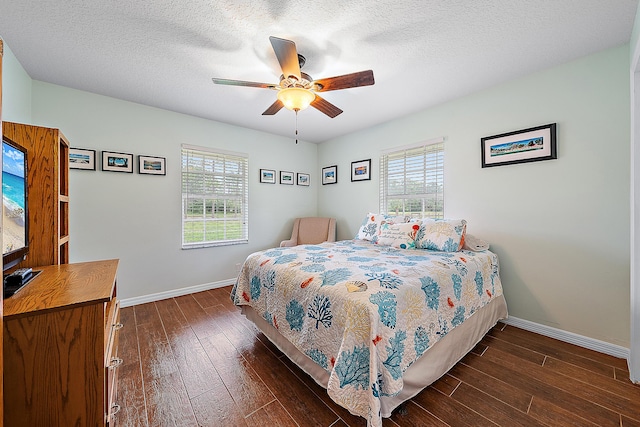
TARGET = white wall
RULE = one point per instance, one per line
(136, 218)
(16, 89)
(559, 227)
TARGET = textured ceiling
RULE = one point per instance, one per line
(163, 53)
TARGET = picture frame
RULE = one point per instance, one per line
(82, 158)
(267, 176)
(330, 175)
(523, 146)
(117, 162)
(286, 178)
(303, 179)
(361, 170)
(151, 165)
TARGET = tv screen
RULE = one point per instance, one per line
(15, 240)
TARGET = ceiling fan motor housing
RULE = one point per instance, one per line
(305, 82)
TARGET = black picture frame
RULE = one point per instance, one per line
(267, 176)
(523, 146)
(330, 175)
(303, 179)
(286, 178)
(82, 159)
(151, 165)
(117, 162)
(361, 170)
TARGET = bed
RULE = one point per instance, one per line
(373, 323)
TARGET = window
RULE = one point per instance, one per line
(215, 197)
(412, 180)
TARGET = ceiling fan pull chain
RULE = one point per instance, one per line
(296, 126)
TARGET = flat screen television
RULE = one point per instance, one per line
(15, 215)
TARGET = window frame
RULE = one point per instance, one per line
(432, 171)
(235, 194)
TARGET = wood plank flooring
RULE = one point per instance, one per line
(196, 361)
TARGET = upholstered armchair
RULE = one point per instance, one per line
(312, 230)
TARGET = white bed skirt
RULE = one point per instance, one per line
(436, 361)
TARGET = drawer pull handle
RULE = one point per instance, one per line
(115, 362)
(115, 408)
(117, 326)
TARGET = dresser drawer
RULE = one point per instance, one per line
(112, 361)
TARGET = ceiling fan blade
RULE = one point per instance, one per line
(273, 108)
(361, 78)
(243, 83)
(326, 107)
(287, 55)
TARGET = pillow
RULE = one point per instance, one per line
(371, 225)
(446, 235)
(402, 236)
(472, 243)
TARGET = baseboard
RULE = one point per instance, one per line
(128, 302)
(570, 337)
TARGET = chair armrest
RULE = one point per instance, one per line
(288, 243)
(331, 235)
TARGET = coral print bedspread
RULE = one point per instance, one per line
(365, 312)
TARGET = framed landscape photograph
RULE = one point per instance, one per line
(522, 146)
(361, 170)
(330, 175)
(303, 179)
(152, 165)
(286, 178)
(117, 162)
(82, 158)
(267, 176)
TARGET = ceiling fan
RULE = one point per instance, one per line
(297, 90)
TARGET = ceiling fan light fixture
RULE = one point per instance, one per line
(296, 98)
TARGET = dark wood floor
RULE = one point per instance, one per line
(195, 361)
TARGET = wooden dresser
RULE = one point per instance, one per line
(60, 347)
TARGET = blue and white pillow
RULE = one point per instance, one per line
(375, 222)
(401, 236)
(446, 235)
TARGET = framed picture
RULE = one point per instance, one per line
(523, 146)
(330, 175)
(361, 170)
(267, 176)
(303, 179)
(152, 165)
(286, 178)
(82, 158)
(117, 162)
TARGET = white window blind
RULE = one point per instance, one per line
(215, 197)
(412, 180)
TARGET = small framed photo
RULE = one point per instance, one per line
(303, 179)
(522, 146)
(82, 158)
(330, 175)
(117, 162)
(267, 176)
(361, 170)
(286, 178)
(152, 165)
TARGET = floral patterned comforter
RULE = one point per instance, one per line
(365, 312)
